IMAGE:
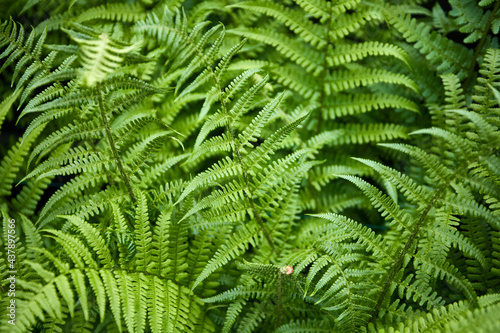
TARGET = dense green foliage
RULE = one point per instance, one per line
(250, 166)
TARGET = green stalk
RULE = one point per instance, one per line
(112, 144)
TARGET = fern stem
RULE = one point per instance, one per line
(256, 213)
(350, 295)
(411, 239)
(109, 178)
(479, 47)
(112, 145)
(21, 46)
(230, 131)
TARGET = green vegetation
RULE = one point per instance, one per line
(250, 166)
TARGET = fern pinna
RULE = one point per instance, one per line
(249, 166)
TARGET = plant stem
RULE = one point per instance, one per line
(112, 145)
(400, 259)
(258, 218)
(230, 131)
(256, 213)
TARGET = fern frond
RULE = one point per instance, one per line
(366, 133)
(64, 72)
(12, 161)
(454, 97)
(100, 57)
(220, 118)
(349, 79)
(231, 192)
(290, 48)
(113, 12)
(225, 168)
(470, 17)
(239, 242)
(17, 46)
(344, 54)
(233, 312)
(455, 60)
(365, 236)
(94, 239)
(142, 234)
(213, 146)
(319, 9)
(155, 172)
(253, 130)
(451, 273)
(412, 191)
(62, 105)
(344, 25)
(383, 203)
(199, 253)
(434, 167)
(87, 205)
(7, 104)
(29, 197)
(77, 163)
(479, 317)
(472, 208)
(68, 191)
(339, 105)
(73, 132)
(254, 158)
(292, 77)
(292, 19)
